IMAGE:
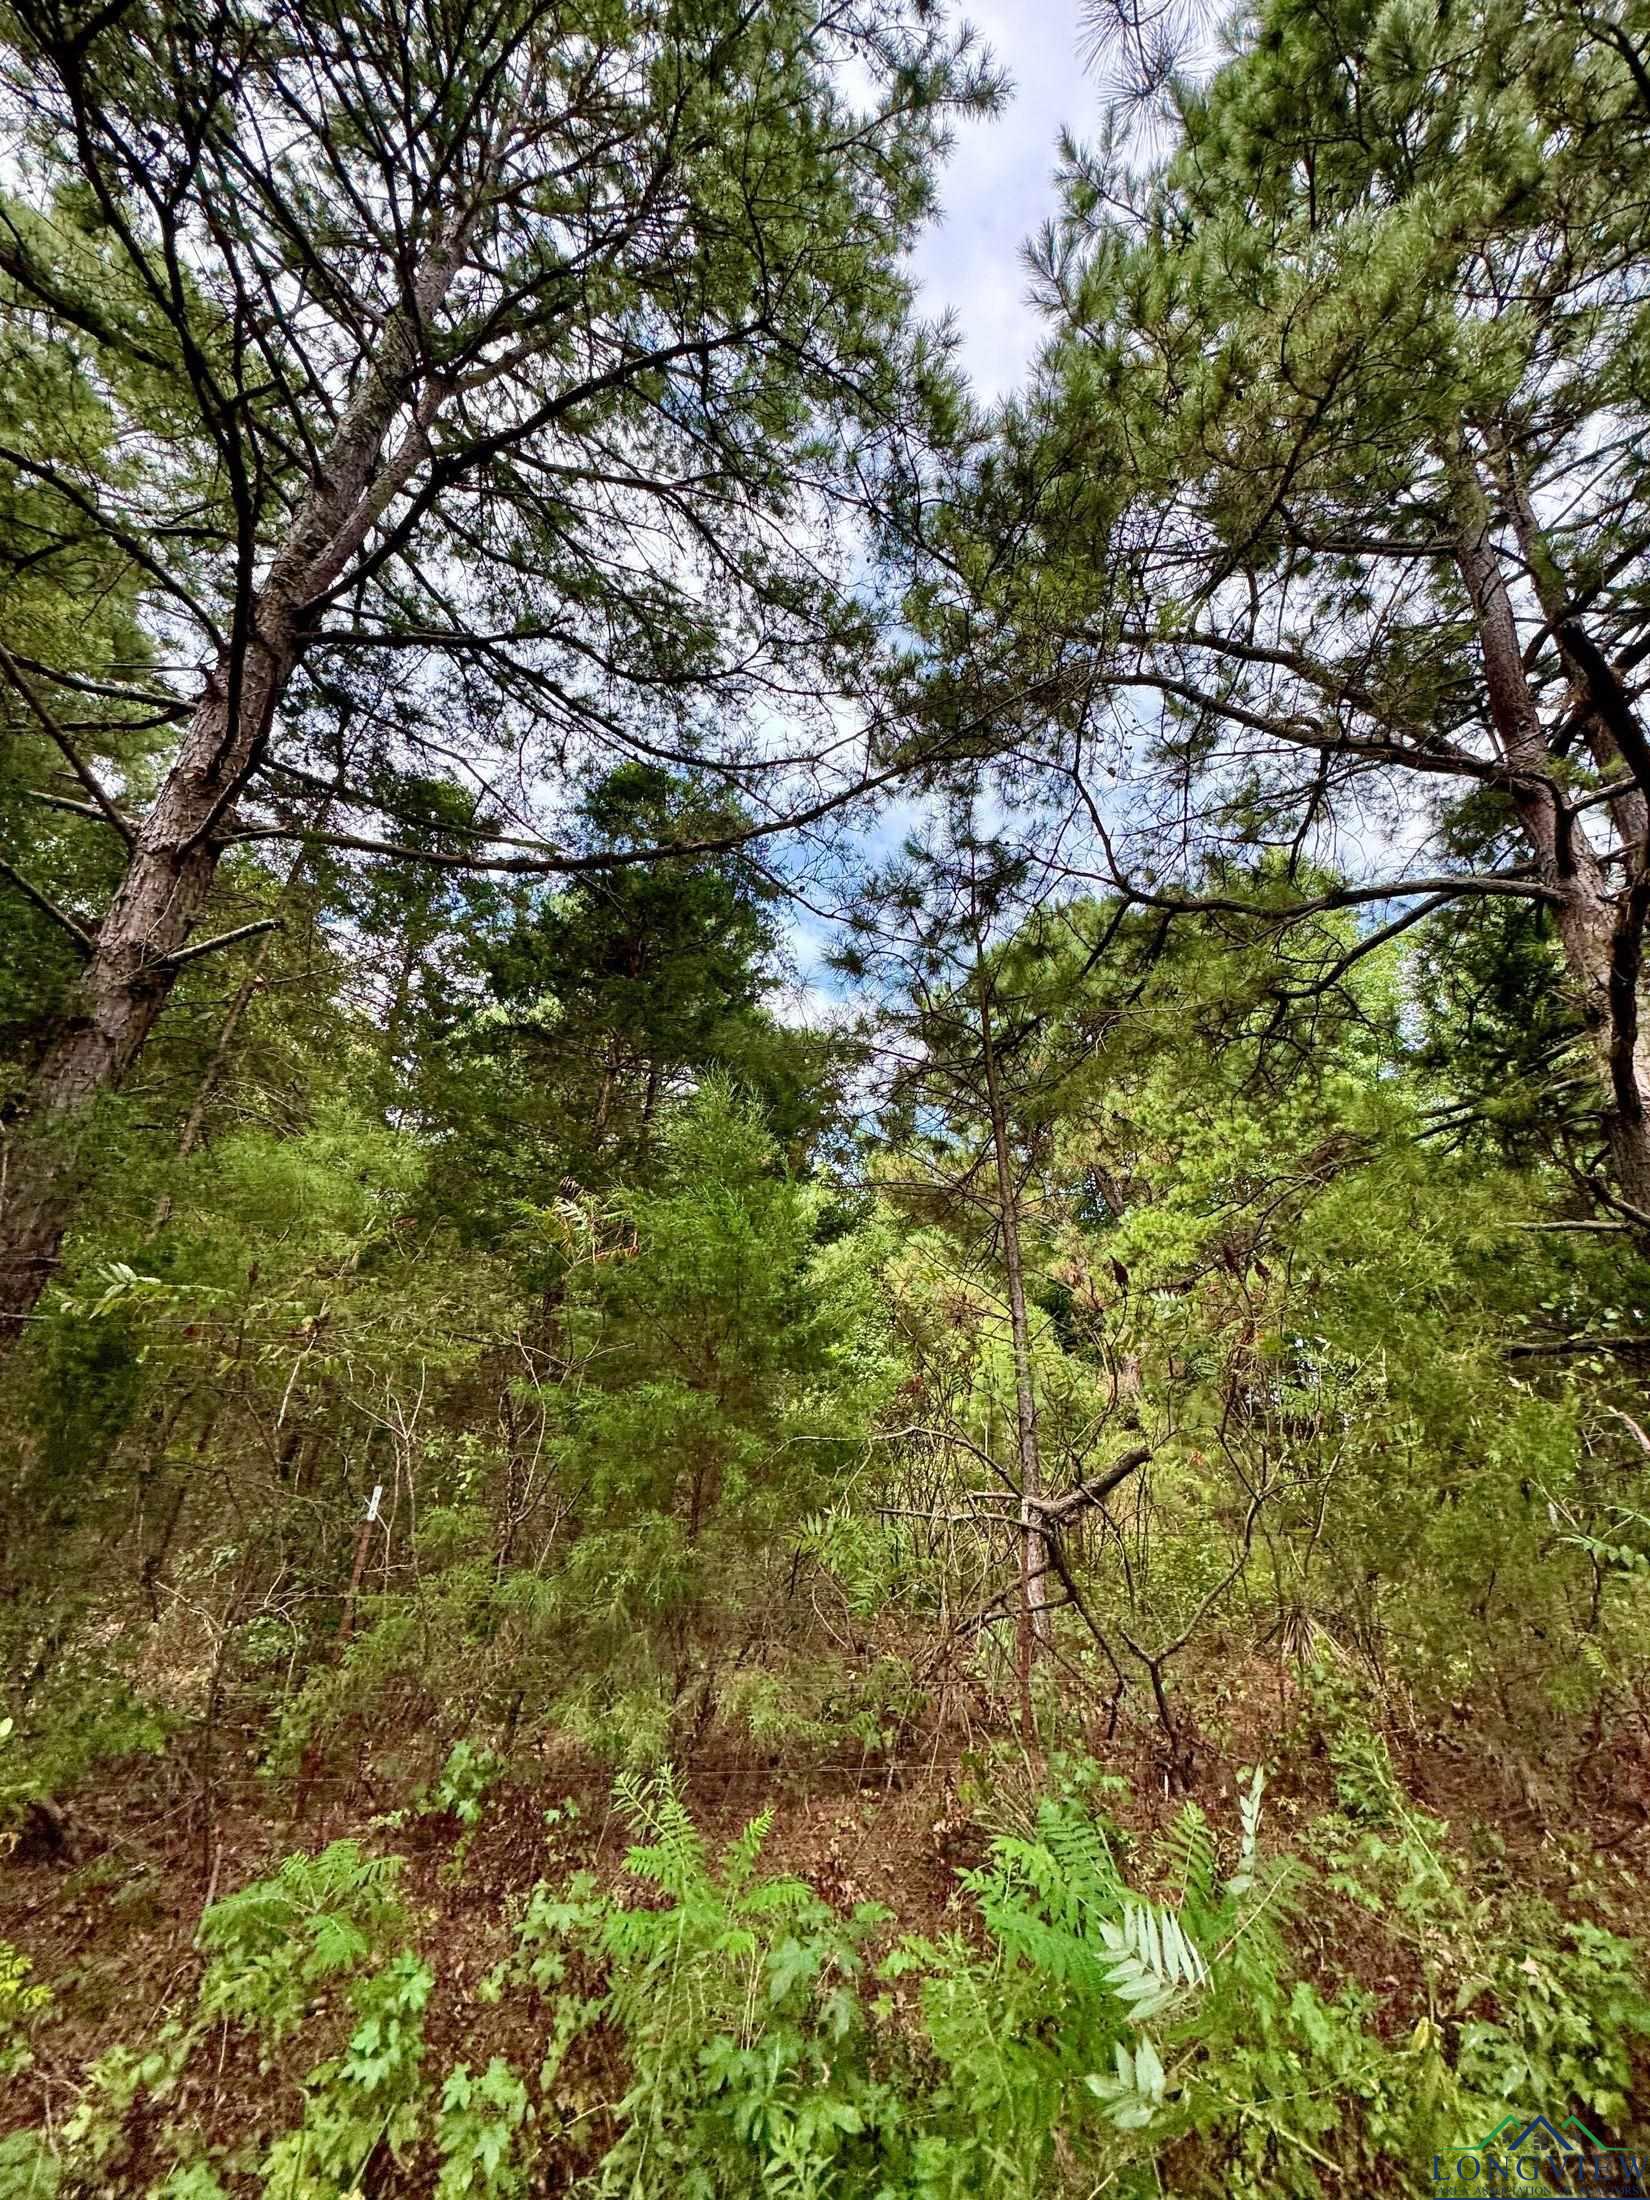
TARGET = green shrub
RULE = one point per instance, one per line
(276, 1942)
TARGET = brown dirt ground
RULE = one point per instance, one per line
(109, 1920)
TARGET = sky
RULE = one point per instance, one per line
(998, 188)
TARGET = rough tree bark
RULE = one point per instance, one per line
(1600, 926)
(175, 850)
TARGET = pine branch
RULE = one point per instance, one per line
(77, 932)
(77, 764)
(222, 939)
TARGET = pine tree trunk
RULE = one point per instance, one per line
(127, 982)
(1600, 929)
(175, 852)
(1035, 1616)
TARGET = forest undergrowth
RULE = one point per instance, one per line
(1002, 1977)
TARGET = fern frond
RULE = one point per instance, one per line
(1136, 2089)
(1191, 1848)
(1152, 1960)
(1249, 1802)
(674, 1857)
(741, 1856)
(780, 1897)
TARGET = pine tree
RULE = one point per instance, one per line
(537, 355)
(1322, 528)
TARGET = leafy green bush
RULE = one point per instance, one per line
(277, 1942)
(371, 2096)
(479, 2123)
(1079, 2031)
(738, 2003)
(1528, 2006)
(85, 1721)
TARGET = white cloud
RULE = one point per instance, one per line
(999, 188)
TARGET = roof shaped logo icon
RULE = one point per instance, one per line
(1515, 2133)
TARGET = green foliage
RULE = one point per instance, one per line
(273, 1945)
(495, 1343)
(81, 1725)
(480, 2118)
(20, 2002)
(29, 2169)
(1111, 2012)
(737, 2003)
(1102, 2018)
(605, 998)
(463, 1784)
(370, 2096)
(1525, 2003)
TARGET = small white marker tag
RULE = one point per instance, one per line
(372, 1502)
